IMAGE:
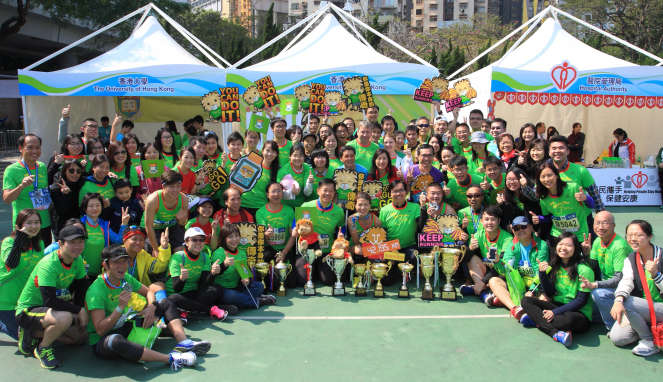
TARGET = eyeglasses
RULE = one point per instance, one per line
(76, 144)
(512, 180)
(399, 191)
(92, 126)
(120, 152)
(519, 227)
(74, 171)
(423, 125)
(197, 240)
(636, 236)
(474, 196)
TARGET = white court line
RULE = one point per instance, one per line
(266, 318)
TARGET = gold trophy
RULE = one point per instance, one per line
(283, 270)
(427, 264)
(262, 269)
(379, 270)
(360, 270)
(406, 268)
(450, 259)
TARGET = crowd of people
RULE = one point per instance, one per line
(95, 240)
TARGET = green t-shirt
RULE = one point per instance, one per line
(579, 175)
(300, 177)
(502, 242)
(135, 160)
(567, 290)
(193, 168)
(281, 222)
(133, 175)
(401, 223)
(399, 155)
(611, 257)
(455, 143)
(467, 153)
(195, 267)
(328, 223)
(497, 188)
(101, 295)
(474, 219)
(568, 214)
(105, 189)
(177, 141)
(335, 163)
(94, 244)
(49, 272)
(529, 266)
(13, 176)
(230, 278)
(474, 165)
(329, 174)
(257, 196)
(364, 154)
(653, 289)
(12, 281)
(169, 160)
(459, 191)
(284, 154)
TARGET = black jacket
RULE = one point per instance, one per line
(63, 206)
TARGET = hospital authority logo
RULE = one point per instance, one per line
(631, 188)
(563, 76)
(129, 107)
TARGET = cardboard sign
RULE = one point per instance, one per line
(376, 251)
(442, 232)
(366, 98)
(252, 240)
(259, 124)
(394, 256)
(268, 91)
(352, 196)
(317, 98)
(216, 177)
(453, 104)
(230, 105)
(310, 213)
(243, 269)
(248, 170)
(153, 168)
(434, 90)
(334, 104)
(385, 197)
(290, 106)
(346, 182)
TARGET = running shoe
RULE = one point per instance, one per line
(26, 342)
(231, 309)
(178, 359)
(488, 298)
(218, 313)
(497, 302)
(645, 348)
(198, 348)
(563, 338)
(467, 290)
(184, 316)
(526, 321)
(517, 312)
(266, 299)
(46, 358)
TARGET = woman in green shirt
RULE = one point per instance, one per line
(479, 153)
(256, 198)
(437, 143)
(301, 173)
(177, 138)
(321, 168)
(121, 166)
(99, 181)
(165, 145)
(132, 144)
(330, 144)
(20, 253)
(94, 147)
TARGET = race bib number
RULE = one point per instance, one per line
(526, 270)
(568, 223)
(63, 294)
(41, 199)
(278, 238)
(324, 241)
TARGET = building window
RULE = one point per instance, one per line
(530, 8)
(294, 6)
(419, 2)
(316, 3)
(419, 23)
(432, 29)
(433, 18)
(419, 12)
(482, 9)
(433, 7)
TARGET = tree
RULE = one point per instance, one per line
(234, 49)
(433, 58)
(372, 38)
(270, 30)
(485, 60)
(13, 24)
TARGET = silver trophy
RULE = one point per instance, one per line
(309, 256)
(337, 266)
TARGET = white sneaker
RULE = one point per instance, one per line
(645, 348)
(182, 359)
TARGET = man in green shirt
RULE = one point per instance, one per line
(607, 256)
(470, 216)
(40, 313)
(457, 188)
(331, 219)
(25, 184)
(363, 145)
(495, 179)
(279, 126)
(486, 248)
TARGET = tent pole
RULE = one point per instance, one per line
(340, 13)
(140, 22)
(310, 24)
(205, 46)
(275, 39)
(102, 30)
(493, 47)
(601, 31)
(25, 115)
(180, 29)
(535, 21)
(392, 42)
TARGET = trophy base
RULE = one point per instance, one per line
(427, 294)
(378, 293)
(338, 291)
(360, 292)
(281, 293)
(403, 293)
(449, 295)
(309, 291)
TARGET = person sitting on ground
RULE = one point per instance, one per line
(470, 216)
(142, 266)
(108, 303)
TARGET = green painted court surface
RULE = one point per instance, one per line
(326, 338)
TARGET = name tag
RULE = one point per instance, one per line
(568, 223)
(324, 241)
(278, 238)
(41, 199)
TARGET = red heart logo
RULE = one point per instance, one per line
(499, 96)
(575, 99)
(639, 179)
(543, 98)
(564, 75)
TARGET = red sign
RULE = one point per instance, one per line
(619, 101)
(510, 97)
(576, 99)
(639, 179)
(651, 102)
(522, 98)
(608, 100)
(565, 99)
(629, 101)
(533, 98)
(597, 100)
(659, 102)
(498, 96)
(554, 99)
(375, 251)
(586, 100)
(640, 102)
(544, 98)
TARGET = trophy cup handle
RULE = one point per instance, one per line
(389, 264)
(463, 249)
(327, 260)
(416, 254)
(289, 270)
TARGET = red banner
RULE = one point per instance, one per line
(554, 99)
(608, 100)
(521, 98)
(640, 102)
(659, 102)
(651, 102)
(544, 98)
(586, 100)
(511, 98)
(565, 99)
(498, 96)
(619, 101)
(533, 98)
(629, 101)
(597, 100)
(576, 99)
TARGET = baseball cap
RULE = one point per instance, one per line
(203, 200)
(71, 232)
(193, 231)
(309, 135)
(440, 118)
(520, 220)
(113, 252)
(479, 137)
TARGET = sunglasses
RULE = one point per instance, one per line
(474, 196)
(121, 152)
(74, 171)
(423, 125)
(519, 227)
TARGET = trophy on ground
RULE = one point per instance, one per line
(337, 266)
(282, 270)
(450, 259)
(427, 264)
(406, 268)
(379, 270)
(262, 269)
(309, 256)
(360, 270)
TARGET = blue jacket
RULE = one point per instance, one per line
(110, 237)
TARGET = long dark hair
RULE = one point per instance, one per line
(170, 125)
(521, 144)
(212, 135)
(574, 261)
(530, 164)
(159, 146)
(127, 138)
(64, 149)
(541, 190)
(374, 168)
(291, 130)
(474, 153)
(510, 196)
(440, 141)
(21, 218)
(91, 143)
(146, 146)
(112, 148)
(226, 231)
(274, 168)
(65, 167)
(325, 141)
